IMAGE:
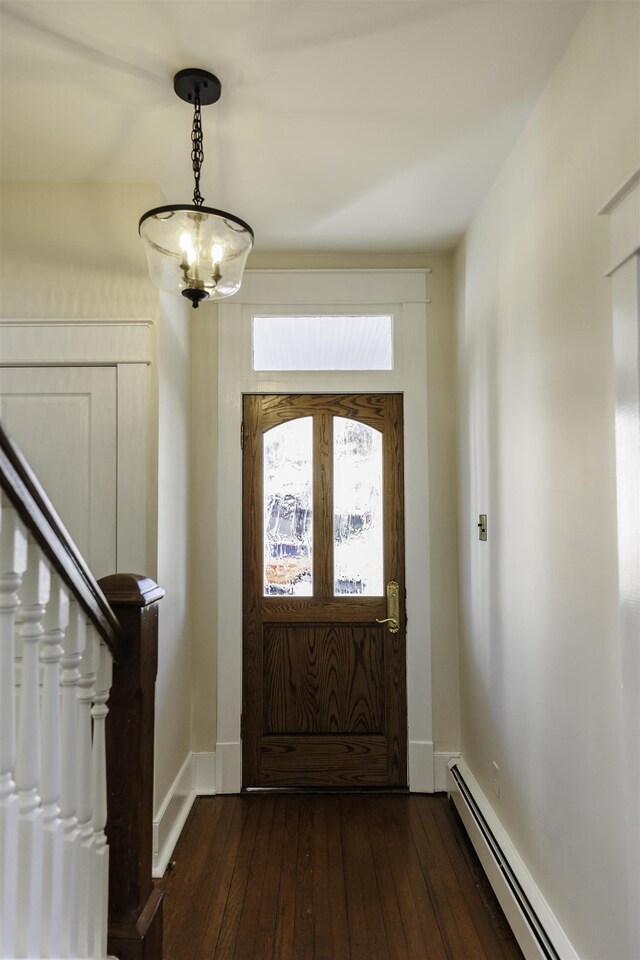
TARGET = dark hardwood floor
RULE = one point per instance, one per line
(326, 877)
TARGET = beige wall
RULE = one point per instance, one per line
(441, 419)
(173, 686)
(72, 251)
(540, 663)
(204, 530)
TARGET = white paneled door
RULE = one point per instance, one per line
(64, 419)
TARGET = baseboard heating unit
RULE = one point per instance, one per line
(534, 926)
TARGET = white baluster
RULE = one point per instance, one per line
(55, 623)
(99, 713)
(34, 594)
(13, 563)
(88, 668)
(74, 644)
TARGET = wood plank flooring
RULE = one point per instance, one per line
(328, 877)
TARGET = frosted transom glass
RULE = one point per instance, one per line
(323, 343)
(357, 509)
(288, 509)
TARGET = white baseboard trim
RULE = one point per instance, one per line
(197, 777)
(441, 761)
(535, 926)
(421, 766)
(204, 774)
(229, 767)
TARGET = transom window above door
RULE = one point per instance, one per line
(327, 342)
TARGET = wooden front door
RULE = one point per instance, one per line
(324, 685)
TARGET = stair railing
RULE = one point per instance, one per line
(65, 771)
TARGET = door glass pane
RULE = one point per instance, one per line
(288, 513)
(357, 509)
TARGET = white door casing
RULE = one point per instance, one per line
(623, 210)
(318, 292)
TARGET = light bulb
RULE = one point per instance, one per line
(217, 252)
(186, 245)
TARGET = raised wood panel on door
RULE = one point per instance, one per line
(324, 685)
(64, 419)
(323, 679)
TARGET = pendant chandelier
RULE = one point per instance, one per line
(193, 250)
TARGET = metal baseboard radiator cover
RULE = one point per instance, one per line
(538, 937)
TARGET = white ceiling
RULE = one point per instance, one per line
(344, 125)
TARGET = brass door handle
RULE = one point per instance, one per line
(393, 608)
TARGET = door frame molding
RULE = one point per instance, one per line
(623, 211)
(403, 293)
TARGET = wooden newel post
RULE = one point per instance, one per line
(135, 905)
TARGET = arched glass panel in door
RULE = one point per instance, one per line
(358, 561)
(288, 509)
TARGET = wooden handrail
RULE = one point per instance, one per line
(39, 516)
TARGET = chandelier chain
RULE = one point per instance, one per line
(197, 150)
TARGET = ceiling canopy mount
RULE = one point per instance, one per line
(191, 83)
